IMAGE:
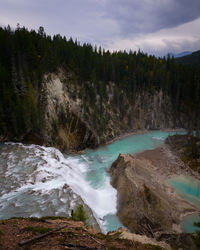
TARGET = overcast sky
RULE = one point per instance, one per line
(153, 26)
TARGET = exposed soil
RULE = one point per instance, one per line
(164, 161)
(188, 149)
(74, 235)
(145, 197)
(167, 161)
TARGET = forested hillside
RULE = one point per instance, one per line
(103, 94)
(193, 59)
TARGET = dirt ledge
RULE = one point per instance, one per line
(74, 235)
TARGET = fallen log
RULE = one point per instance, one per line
(22, 243)
(93, 238)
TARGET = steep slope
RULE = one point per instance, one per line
(70, 120)
(75, 123)
(65, 128)
(192, 59)
(54, 91)
(62, 233)
(146, 202)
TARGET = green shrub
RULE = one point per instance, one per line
(79, 214)
(37, 230)
(36, 219)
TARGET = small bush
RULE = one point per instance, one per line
(36, 219)
(79, 214)
(37, 230)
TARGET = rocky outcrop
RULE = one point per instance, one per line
(140, 207)
(72, 115)
(154, 111)
(165, 241)
(64, 126)
(72, 121)
(146, 202)
(179, 240)
(188, 148)
(142, 238)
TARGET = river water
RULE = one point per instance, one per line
(40, 181)
(189, 188)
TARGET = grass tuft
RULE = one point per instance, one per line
(37, 230)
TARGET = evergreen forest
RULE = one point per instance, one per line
(26, 56)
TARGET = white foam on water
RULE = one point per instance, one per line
(158, 138)
(52, 171)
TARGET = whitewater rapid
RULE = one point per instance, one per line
(39, 181)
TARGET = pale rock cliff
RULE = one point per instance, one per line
(64, 126)
(76, 116)
(146, 202)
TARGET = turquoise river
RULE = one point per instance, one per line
(40, 181)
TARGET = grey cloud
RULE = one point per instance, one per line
(146, 16)
(180, 46)
(76, 18)
(104, 22)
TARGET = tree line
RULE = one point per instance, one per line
(26, 56)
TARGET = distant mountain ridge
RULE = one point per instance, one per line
(185, 53)
(191, 59)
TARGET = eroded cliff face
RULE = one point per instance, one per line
(154, 111)
(72, 114)
(76, 116)
(64, 126)
(146, 202)
(141, 207)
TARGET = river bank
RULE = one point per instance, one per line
(168, 166)
(140, 132)
(165, 162)
(125, 135)
(156, 203)
(54, 184)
